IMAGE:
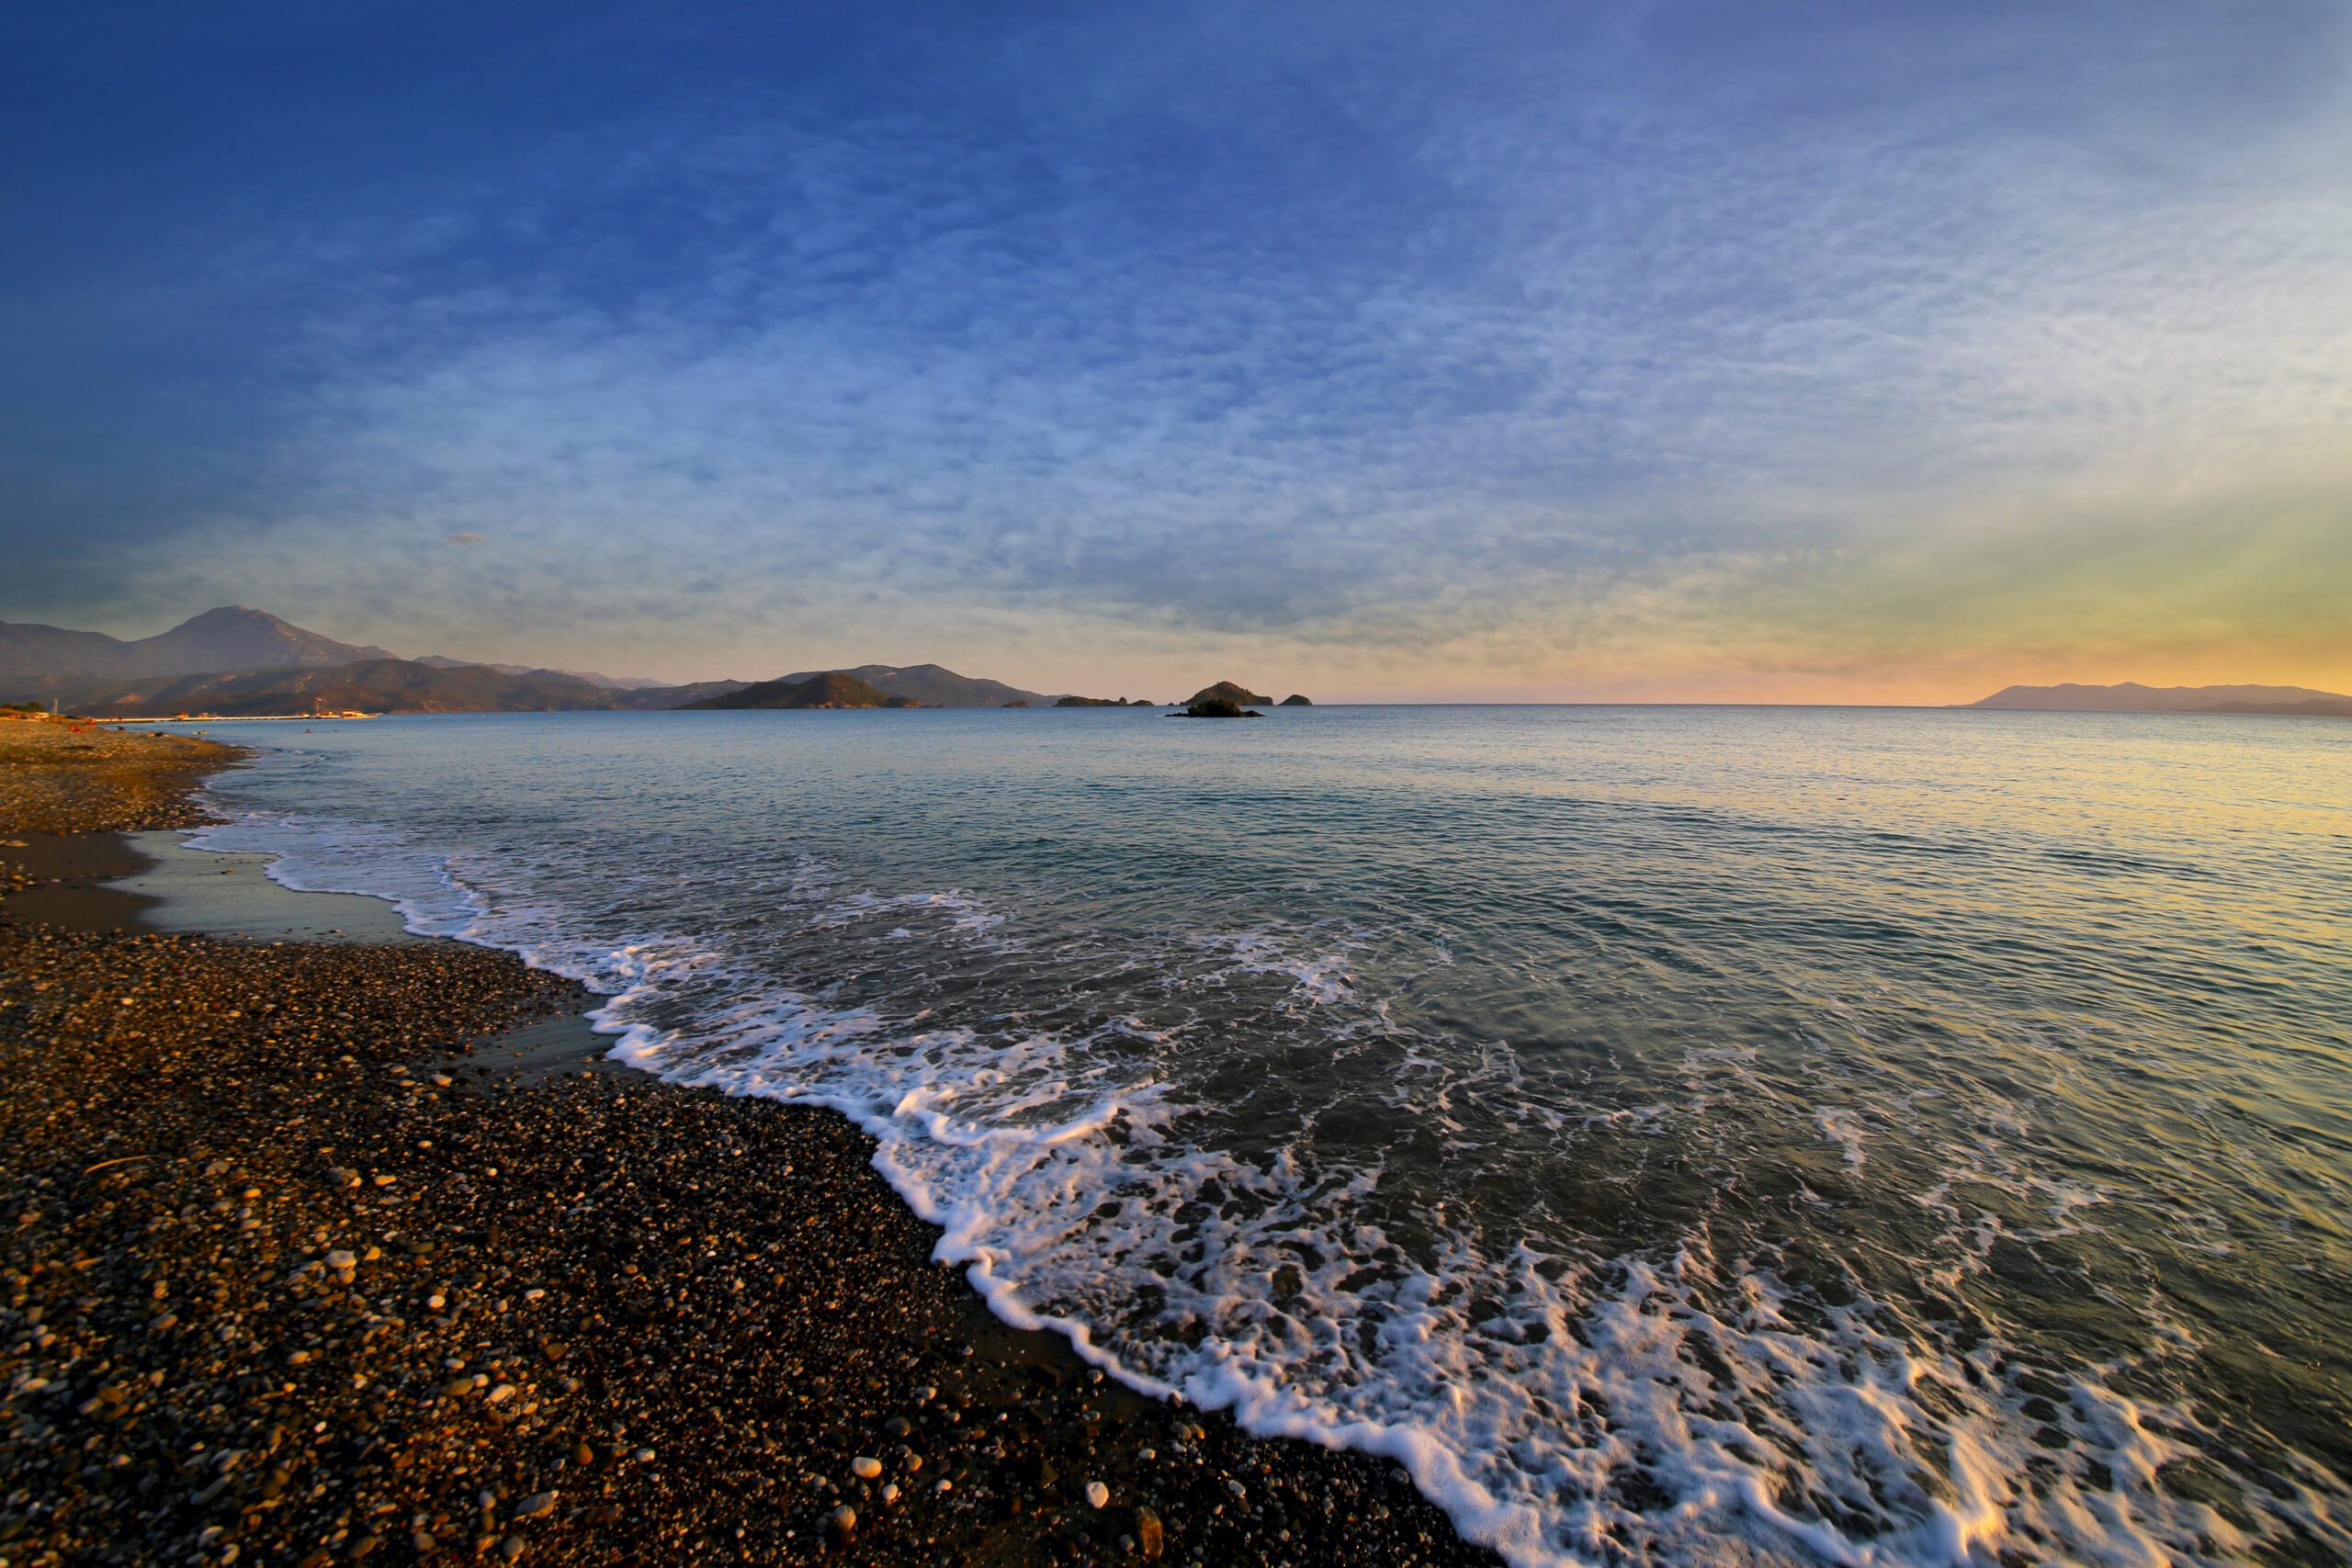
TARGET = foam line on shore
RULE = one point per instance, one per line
(1017, 1143)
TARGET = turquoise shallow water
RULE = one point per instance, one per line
(1678, 1135)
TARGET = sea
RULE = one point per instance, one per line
(1674, 1135)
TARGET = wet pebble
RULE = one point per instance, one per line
(256, 1303)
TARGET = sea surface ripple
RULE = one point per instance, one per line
(1678, 1135)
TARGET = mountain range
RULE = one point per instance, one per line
(237, 661)
(240, 660)
(2132, 697)
(39, 660)
(372, 685)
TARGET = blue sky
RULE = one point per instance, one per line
(1814, 351)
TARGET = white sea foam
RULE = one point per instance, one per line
(1318, 965)
(1668, 1405)
(1843, 1128)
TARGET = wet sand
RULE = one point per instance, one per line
(331, 1250)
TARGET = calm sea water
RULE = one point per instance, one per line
(1676, 1134)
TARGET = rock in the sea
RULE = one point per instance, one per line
(1296, 701)
(1225, 691)
(1218, 707)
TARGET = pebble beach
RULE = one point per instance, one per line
(304, 1265)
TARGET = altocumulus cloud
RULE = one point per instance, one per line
(1572, 348)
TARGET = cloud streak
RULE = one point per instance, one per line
(1557, 354)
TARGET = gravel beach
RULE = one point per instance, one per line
(301, 1270)
(59, 778)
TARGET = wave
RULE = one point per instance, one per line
(1326, 1221)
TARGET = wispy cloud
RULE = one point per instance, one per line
(1560, 351)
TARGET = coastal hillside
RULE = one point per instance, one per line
(38, 661)
(380, 685)
(2132, 697)
(833, 689)
(930, 685)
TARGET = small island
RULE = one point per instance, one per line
(834, 689)
(1224, 700)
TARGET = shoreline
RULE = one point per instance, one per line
(267, 1195)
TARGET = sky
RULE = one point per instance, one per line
(1802, 352)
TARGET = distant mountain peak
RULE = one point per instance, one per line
(36, 661)
(223, 617)
(238, 636)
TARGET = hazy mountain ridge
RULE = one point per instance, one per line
(613, 682)
(2132, 697)
(657, 698)
(102, 674)
(38, 660)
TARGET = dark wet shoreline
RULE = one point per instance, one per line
(263, 1194)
